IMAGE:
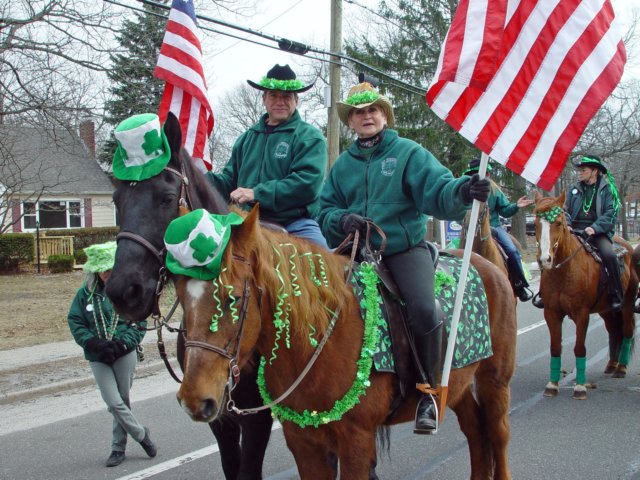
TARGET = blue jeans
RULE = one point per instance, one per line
(513, 255)
(309, 229)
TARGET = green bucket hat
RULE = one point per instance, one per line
(100, 257)
(196, 242)
(143, 149)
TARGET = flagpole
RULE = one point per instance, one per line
(462, 283)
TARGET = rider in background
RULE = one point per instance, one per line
(499, 206)
(395, 182)
(592, 207)
(109, 343)
(280, 161)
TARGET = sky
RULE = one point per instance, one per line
(230, 61)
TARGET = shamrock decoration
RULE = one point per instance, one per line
(152, 142)
(203, 247)
(551, 214)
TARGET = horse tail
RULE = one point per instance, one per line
(383, 440)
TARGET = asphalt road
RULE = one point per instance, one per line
(67, 435)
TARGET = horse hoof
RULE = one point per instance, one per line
(611, 367)
(620, 372)
(551, 390)
(580, 392)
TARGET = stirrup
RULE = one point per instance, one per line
(440, 397)
(427, 431)
(536, 301)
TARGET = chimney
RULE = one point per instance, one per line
(87, 133)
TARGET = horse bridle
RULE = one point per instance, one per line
(183, 201)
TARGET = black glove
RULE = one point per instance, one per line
(119, 348)
(107, 354)
(95, 345)
(475, 189)
(351, 222)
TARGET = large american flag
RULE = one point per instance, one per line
(185, 94)
(522, 78)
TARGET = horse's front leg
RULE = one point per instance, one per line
(580, 352)
(628, 332)
(554, 324)
(312, 453)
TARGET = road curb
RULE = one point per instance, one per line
(142, 370)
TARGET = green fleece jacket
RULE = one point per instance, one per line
(285, 168)
(395, 186)
(83, 324)
(499, 206)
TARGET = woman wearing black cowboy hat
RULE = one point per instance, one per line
(592, 207)
(279, 162)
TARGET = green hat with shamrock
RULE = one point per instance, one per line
(196, 242)
(100, 257)
(143, 149)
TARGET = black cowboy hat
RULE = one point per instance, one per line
(591, 161)
(474, 167)
(281, 78)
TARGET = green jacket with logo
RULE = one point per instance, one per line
(82, 322)
(605, 206)
(285, 168)
(395, 186)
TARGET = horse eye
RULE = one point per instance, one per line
(168, 200)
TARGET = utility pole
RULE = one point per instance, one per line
(333, 123)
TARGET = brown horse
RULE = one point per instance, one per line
(569, 286)
(262, 268)
(483, 242)
(635, 260)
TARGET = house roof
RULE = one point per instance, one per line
(50, 161)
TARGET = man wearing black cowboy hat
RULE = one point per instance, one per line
(279, 162)
(592, 207)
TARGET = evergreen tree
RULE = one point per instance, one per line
(134, 89)
(406, 45)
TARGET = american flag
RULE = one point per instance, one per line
(521, 79)
(185, 94)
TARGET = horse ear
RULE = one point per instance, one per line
(247, 229)
(173, 132)
(537, 196)
(562, 198)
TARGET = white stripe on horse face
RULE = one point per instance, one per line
(195, 290)
(544, 244)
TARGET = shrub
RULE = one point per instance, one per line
(83, 237)
(80, 256)
(15, 249)
(60, 263)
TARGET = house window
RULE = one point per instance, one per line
(52, 214)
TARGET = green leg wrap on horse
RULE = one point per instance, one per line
(581, 370)
(625, 351)
(555, 369)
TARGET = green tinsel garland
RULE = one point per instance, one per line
(287, 85)
(362, 97)
(442, 279)
(361, 382)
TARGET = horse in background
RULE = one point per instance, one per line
(145, 209)
(483, 242)
(570, 285)
(260, 269)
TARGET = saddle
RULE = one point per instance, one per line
(406, 366)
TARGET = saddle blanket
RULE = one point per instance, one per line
(473, 342)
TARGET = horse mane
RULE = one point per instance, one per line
(301, 281)
(201, 192)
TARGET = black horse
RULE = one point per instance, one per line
(144, 211)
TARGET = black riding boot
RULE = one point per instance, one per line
(518, 281)
(615, 287)
(429, 348)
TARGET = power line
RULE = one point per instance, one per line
(285, 44)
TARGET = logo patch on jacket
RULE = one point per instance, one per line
(388, 166)
(281, 150)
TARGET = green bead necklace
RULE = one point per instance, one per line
(586, 206)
